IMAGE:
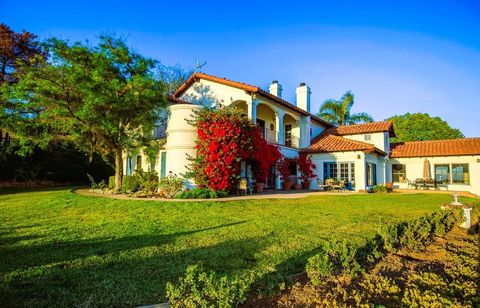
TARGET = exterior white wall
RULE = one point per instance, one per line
(380, 140)
(317, 129)
(181, 137)
(414, 169)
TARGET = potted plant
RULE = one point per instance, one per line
(306, 167)
(284, 172)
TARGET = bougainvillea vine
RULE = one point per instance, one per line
(225, 138)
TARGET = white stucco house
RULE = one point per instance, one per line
(360, 154)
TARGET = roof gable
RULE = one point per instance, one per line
(329, 141)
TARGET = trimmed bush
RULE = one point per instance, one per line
(380, 189)
(171, 185)
(201, 289)
(129, 184)
(201, 193)
(344, 258)
(111, 182)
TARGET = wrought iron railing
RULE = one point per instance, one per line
(292, 141)
(269, 135)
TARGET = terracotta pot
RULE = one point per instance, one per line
(287, 185)
(306, 185)
(259, 187)
(298, 186)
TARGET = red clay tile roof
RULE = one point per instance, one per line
(328, 141)
(452, 147)
(373, 127)
(248, 88)
(176, 100)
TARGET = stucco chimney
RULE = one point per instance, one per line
(303, 96)
(275, 89)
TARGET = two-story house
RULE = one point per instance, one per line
(359, 154)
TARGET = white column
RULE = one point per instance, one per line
(279, 114)
(305, 125)
(252, 109)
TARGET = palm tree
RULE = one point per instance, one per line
(338, 112)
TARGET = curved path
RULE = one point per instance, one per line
(278, 194)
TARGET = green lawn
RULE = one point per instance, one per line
(59, 248)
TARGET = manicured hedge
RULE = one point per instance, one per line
(111, 182)
(129, 183)
(344, 258)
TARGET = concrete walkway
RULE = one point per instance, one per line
(269, 194)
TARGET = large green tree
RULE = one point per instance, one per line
(338, 112)
(104, 99)
(422, 126)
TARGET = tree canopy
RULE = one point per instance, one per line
(422, 126)
(338, 112)
(104, 99)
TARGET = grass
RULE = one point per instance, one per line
(62, 249)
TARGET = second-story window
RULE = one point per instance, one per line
(367, 137)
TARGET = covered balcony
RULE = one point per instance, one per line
(276, 126)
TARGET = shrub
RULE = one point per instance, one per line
(100, 185)
(344, 258)
(170, 185)
(147, 182)
(111, 182)
(201, 289)
(319, 267)
(129, 184)
(201, 193)
(333, 259)
(380, 189)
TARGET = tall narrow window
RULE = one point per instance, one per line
(129, 165)
(442, 173)
(139, 163)
(371, 174)
(460, 174)
(399, 173)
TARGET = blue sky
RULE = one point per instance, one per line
(395, 56)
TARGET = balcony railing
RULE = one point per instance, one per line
(292, 141)
(269, 135)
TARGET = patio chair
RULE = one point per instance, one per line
(320, 184)
(329, 183)
(245, 187)
(338, 185)
(411, 184)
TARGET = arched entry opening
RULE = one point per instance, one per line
(266, 122)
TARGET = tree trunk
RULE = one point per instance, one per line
(118, 168)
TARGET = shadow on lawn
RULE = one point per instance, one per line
(24, 257)
(128, 282)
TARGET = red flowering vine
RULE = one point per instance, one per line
(306, 167)
(225, 138)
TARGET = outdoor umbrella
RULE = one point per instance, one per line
(426, 170)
